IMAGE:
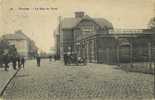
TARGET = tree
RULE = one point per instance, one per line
(151, 23)
(7, 50)
(3, 45)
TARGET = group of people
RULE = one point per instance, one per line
(52, 57)
(73, 59)
(17, 62)
(69, 58)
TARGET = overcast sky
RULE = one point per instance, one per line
(39, 24)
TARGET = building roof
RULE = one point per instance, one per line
(126, 31)
(16, 36)
(19, 35)
(70, 22)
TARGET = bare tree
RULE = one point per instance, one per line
(151, 23)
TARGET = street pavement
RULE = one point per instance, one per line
(5, 77)
(54, 81)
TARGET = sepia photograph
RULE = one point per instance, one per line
(77, 49)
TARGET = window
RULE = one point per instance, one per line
(87, 29)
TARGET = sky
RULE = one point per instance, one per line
(39, 25)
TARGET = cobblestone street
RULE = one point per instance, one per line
(54, 81)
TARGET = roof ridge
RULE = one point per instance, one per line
(70, 22)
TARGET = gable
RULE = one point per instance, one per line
(69, 23)
(87, 23)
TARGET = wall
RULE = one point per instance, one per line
(106, 50)
(67, 40)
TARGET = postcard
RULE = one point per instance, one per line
(77, 49)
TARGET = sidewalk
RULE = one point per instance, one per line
(5, 78)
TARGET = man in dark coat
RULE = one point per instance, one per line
(55, 57)
(38, 61)
(19, 62)
(22, 61)
(65, 59)
(14, 60)
(6, 62)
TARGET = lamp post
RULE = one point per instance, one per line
(117, 51)
(77, 48)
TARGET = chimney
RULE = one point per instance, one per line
(79, 14)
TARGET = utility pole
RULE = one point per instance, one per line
(150, 54)
(131, 53)
(61, 38)
(117, 50)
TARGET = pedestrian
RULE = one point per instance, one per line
(65, 59)
(19, 62)
(23, 62)
(38, 61)
(55, 57)
(14, 63)
(6, 62)
(69, 58)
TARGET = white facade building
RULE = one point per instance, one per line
(24, 45)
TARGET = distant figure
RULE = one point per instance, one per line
(78, 59)
(23, 62)
(19, 62)
(55, 57)
(14, 60)
(6, 62)
(38, 61)
(69, 58)
(50, 58)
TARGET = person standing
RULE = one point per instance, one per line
(14, 60)
(65, 59)
(38, 61)
(18, 60)
(6, 62)
(23, 62)
(55, 57)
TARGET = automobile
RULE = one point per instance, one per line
(73, 59)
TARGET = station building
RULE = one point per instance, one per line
(96, 40)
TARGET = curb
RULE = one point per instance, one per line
(8, 82)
